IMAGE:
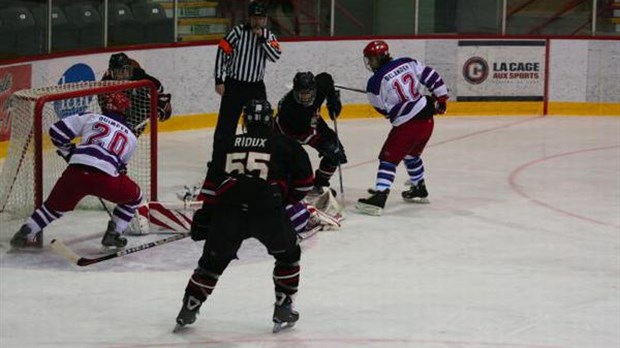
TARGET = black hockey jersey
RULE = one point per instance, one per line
(139, 110)
(269, 156)
(301, 122)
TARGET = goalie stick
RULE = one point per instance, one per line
(59, 247)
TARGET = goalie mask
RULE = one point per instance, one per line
(257, 113)
(120, 67)
(116, 103)
(304, 88)
(376, 55)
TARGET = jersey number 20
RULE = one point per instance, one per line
(116, 145)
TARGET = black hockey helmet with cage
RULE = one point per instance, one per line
(257, 113)
(118, 61)
(257, 8)
(304, 88)
(120, 66)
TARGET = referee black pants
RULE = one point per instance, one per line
(236, 95)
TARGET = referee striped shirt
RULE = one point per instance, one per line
(242, 55)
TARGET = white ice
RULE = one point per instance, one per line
(519, 248)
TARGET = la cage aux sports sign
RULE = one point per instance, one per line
(476, 70)
(501, 70)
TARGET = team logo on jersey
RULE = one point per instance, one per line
(77, 73)
(475, 70)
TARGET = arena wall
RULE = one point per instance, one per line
(570, 76)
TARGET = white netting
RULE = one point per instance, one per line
(18, 182)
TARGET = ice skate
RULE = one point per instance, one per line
(374, 204)
(188, 313)
(113, 239)
(416, 194)
(372, 190)
(24, 238)
(284, 317)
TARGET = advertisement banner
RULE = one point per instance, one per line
(12, 79)
(501, 70)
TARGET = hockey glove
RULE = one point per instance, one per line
(164, 108)
(334, 106)
(332, 151)
(201, 223)
(440, 104)
(66, 152)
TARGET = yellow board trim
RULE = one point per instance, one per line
(357, 111)
(189, 21)
(169, 5)
(581, 109)
(202, 37)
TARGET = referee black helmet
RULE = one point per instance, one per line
(257, 8)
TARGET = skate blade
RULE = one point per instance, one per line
(179, 328)
(110, 249)
(417, 200)
(368, 209)
(277, 327)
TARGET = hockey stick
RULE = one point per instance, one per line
(351, 89)
(59, 247)
(107, 210)
(334, 117)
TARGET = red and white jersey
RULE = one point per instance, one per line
(395, 89)
(107, 143)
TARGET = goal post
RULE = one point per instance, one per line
(32, 166)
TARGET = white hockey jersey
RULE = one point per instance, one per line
(107, 143)
(395, 90)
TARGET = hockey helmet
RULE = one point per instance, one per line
(376, 54)
(257, 8)
(115, 102)
(257, 113)
(304, 88)
(120, 66)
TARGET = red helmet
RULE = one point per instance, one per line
(377, 48)
(117, 102)
(376, 55)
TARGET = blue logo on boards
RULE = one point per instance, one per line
(77, 73)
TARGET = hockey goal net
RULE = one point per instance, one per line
(32, 166)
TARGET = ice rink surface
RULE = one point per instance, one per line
(519, 248)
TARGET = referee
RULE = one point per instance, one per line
(239, 70)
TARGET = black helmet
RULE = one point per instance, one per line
(120, 66)
(304, 88)
(257, 8)
(257, 113)
(119, 60)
